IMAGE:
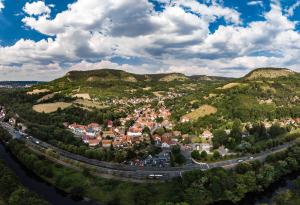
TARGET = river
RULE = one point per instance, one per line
(57, 197)
(36, 184)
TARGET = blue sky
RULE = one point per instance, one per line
(42, 40)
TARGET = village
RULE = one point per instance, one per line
(150, 125)
(153, 125)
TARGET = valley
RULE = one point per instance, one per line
(113, 128)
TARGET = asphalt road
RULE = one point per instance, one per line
(140, 173)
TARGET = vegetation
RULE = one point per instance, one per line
(11, 190)
(196, 187)
(290, 196)
(202, 111)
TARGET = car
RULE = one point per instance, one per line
(240, 160)
(38, 142)
(251, 157)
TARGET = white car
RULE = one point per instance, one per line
(240, 160)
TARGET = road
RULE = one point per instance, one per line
(138, 173)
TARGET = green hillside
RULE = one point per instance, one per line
(269, 73)
(117, 83)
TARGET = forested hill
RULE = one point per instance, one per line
(106, 75)
(118, 83)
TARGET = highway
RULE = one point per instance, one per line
(138, 173)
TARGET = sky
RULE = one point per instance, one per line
(43, 40)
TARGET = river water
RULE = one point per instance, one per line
(34, 183)
(57, 197)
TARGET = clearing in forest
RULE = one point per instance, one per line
(202, 111)
(50, 107)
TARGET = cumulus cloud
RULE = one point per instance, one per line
(36, 8)
(255, 3)
(292, 9)
(1, 5)
(89, 35)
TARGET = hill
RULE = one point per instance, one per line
(106, 75)
(268, 73)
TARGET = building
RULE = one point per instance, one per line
(91, 132)
(207, 135)
(184, 119)
(106, 143)
(135, 132)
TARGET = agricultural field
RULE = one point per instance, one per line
(82, 95)
(231, 85)
(88, 104)
(50, 107)
(37, 91)
(202, 111)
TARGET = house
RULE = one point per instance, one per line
(135, 132)
(184, 119)
(77, 129)
(108, 134)
(106, 143)
(207, 135)
(95, 126)
(93, 142)
(223, 151)
(66, 124)
(166, 137)
(85, 139)
(165, 145)
(205, 147)
(91, 132)
(176, 133)
(110, 124)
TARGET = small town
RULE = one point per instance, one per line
(150, 102)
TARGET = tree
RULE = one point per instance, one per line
(220, 138)
(216, 155)
(195, 154)
(24, 197)
(176, 156)
(244, 167)
(203, 155)
(159, 119)
(276, 130)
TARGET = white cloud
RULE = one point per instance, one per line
(37, 8)
(1, 5)
(255, 3)
(290, 11)
(177, 39)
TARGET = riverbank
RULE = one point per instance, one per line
(37, 184)
(12, 191)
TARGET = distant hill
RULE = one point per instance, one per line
(269, 73)
(18, 84)
(209, 78)
(109, 75)
(110, 82)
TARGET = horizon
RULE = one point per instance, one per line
(43, 40)
(45, 81)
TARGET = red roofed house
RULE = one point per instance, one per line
(106, 143)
